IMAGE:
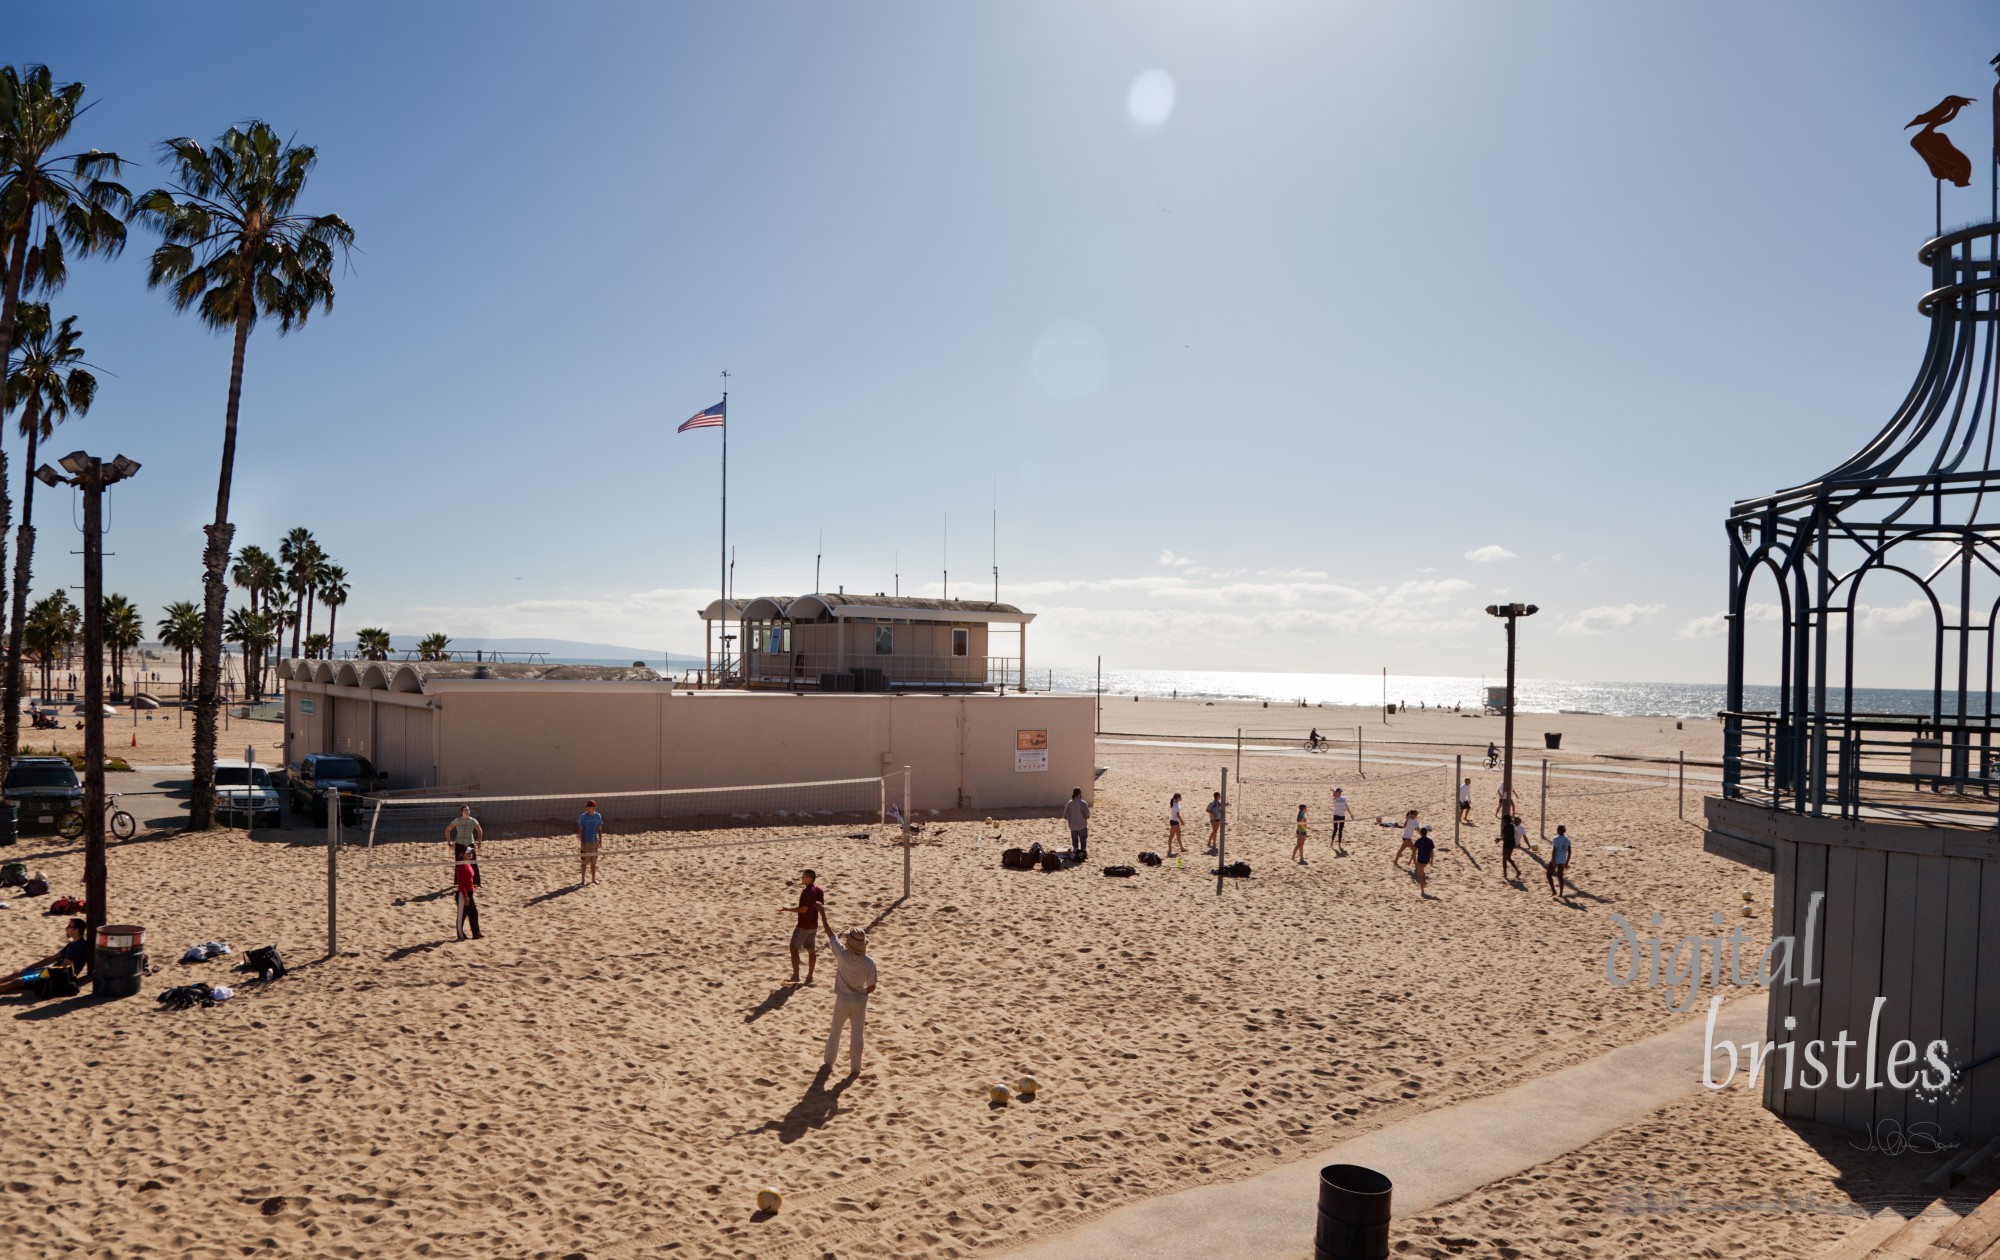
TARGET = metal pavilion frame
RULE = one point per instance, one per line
(1921, 500)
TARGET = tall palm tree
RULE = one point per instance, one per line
(47, 382)
(332, 594)
(300, 555)
(254, 633)
(235, 248)
(180, 629)
(51, 630)
(432, 647)
(372, 643)
(252, 573)
(123, 631)
(318, 647)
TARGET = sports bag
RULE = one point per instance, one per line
(1120, 872)
(1051, 860)
(1016, 860)
(56, 980)
(13, 874)
(264, 961)
(1150, 858)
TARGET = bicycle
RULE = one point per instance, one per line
(1491, 763)
(123, 825)
(1322, 745)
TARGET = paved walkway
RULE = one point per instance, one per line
(1433, 1158)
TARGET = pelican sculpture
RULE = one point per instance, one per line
(1936, 148)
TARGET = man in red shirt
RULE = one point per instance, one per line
(804, 931)
(468, 913)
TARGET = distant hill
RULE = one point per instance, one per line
(558, 649)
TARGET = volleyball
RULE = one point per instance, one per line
(1027, 1085)
(769, 1200)
(1746, 896)
(999, 1093)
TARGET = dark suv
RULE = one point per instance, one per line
(307, 782)
(44, 789)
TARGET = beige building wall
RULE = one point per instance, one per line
(535, 736)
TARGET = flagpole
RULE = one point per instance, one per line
(724, 557)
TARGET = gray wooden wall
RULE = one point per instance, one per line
(1911, 914)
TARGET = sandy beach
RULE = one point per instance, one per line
(615, 1070)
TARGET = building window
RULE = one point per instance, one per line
(885, 640)
(961, 642)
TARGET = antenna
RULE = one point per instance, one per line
(817, 556)
(944, 553)
(732, 573)
(896, 563)
(996, 538)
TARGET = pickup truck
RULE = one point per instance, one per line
(44, 789)
(307, 781)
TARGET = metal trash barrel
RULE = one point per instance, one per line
(1353, 1214)
(10, 824)
(1553, 739)
(119, 962)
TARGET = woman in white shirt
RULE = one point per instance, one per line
(1174, 841)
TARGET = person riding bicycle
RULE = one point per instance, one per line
(1313, 741)
(1492, 753)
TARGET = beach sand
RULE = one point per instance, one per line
(615, 1070)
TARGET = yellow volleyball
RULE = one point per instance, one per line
(999, 1093)
(769, 1200)
(1027, 1085)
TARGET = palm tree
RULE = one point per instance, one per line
(301, 557)
(252, 574)
(180, 629)
(124, 629)
(235, 248)
(47, 382)
(332, 594)
(432, 647)
(371, 643)
(51, 630)
(254, 632)
(317, 647)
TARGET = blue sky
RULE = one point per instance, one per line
(1398, 309)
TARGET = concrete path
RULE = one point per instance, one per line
(1432, 1158)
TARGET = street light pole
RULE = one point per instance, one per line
(90, 475)
(1510, 613)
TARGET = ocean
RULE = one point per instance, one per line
(1531, 695)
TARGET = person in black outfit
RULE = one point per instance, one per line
(75, 951)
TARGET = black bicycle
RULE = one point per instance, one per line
(123, 825)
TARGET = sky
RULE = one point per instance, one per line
(1276, 336)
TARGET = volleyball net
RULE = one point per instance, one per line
(406, 832)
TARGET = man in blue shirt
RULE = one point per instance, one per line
(1559, 863)
(589, 831)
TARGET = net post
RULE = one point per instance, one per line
(1684, 785)
(1545, 798)
(909, 837)
(332, 872)
(1358, 771)
(1457, 776)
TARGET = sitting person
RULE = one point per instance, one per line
(75, 953)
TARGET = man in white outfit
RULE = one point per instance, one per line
(853, 981)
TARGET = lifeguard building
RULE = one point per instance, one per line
(877, 642)
(941, 705)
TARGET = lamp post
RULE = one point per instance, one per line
(90, 474)
(1510, 613)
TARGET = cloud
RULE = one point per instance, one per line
(1172, 560)
(1607, 617)
(1489, 553)
(1877, 621)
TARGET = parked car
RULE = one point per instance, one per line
(307, 781)
(45, 790)
(245, 791)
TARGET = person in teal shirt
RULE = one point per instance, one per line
(589, 832)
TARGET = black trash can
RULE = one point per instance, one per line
(1552, 739)
(10, 824)
(1390, 709)
(1353, 1214)
(118, 963)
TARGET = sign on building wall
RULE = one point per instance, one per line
(306, 705)
(1031, 751)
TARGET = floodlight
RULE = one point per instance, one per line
(121, 468)
(48, 476)
(77, 462)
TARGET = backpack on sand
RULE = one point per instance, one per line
(1150, 858)
(13, 874)
(263, 961)
(1120, 872)
(1016, 860)
(56, 980)
(1051, 860)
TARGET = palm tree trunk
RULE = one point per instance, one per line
(24, 552)
(309, 613)
(332, 620)
(215, 561)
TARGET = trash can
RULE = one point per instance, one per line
(1552, 739)
(1353, 1214)
(1390, 709)
(119, 962)
(10, 824)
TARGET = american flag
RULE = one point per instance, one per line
(710, 419)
